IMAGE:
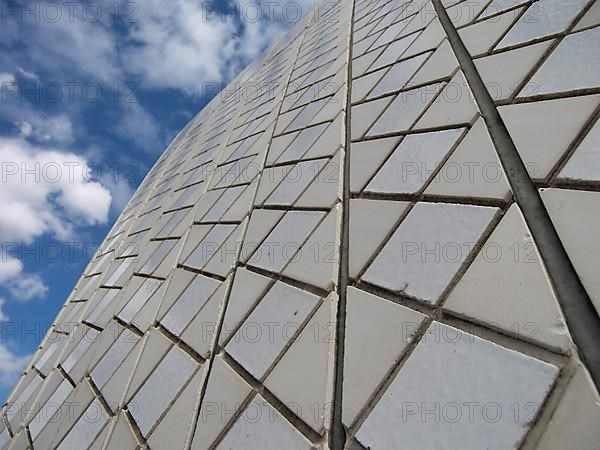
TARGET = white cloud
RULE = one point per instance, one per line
(27, 74)
(186, 44)
(25, 128)
(6, 77)
(10, 267)
(176, 46)
(139, 126)
(45, 128)
(46, 191)
(3, 317)
(43, 191)
(72, 46)
(121, 190)
(27, 287)
(11, 366)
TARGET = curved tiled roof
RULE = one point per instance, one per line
(383, 234)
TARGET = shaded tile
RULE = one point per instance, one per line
(428, 249)
(413, 162)
(518, 297)
(448, 370)
(556, 74)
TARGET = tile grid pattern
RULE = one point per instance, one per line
(207, 319)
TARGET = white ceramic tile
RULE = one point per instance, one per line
(575, 215)
(287, 236)
(591, 18)
(366, 232)
(464, 13)
(307, 114)
(517, 295)
(262, 222)
(224, 259)
(260, 427)
(393, 51)
(247, 287)
(316, 261)
(543, 18)
(54, 403)
(300, 378)
(270, 179)
(208, 246)
(413, 162)
(574, 424)
(225, 201)
(429, 39)
(584, 164)
(63, 420)
(497, 6)
(329, 142)
(361, 64)
(88, 338)
(441, 64)
(200, 333)
(377, 333)
(398, 75)
(551, 125)
(303, 141)
(160, 252)
(365, 114)
(295, 182)
(517, 64)
(113, 358)
(448, 370)
(324, 191)
(189, 303)
(137, 301)
(404, 110)
(264, 334)
(481, 36)
(122, 437)
(161, 388)
(363, 85)
(83, 434)
(225, 392)
(576, 50)
(455, 105)
(366, 157)
(172, 430)
(428, 248)
(472, 170)
(389, 34)
(4, 437)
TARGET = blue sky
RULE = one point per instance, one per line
(90, 95)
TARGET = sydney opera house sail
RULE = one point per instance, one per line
(383, 234)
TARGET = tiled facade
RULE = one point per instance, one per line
(383, 234)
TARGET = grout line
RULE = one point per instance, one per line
(580, 314)
(100, 397)
(276, 276)
(225, 301)
(546, 410)
(66, 376)
(273, 401)
(471, 326)
(337, 432)
(390, 376)
(134, 428)
(573, 146)
(216, 150)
